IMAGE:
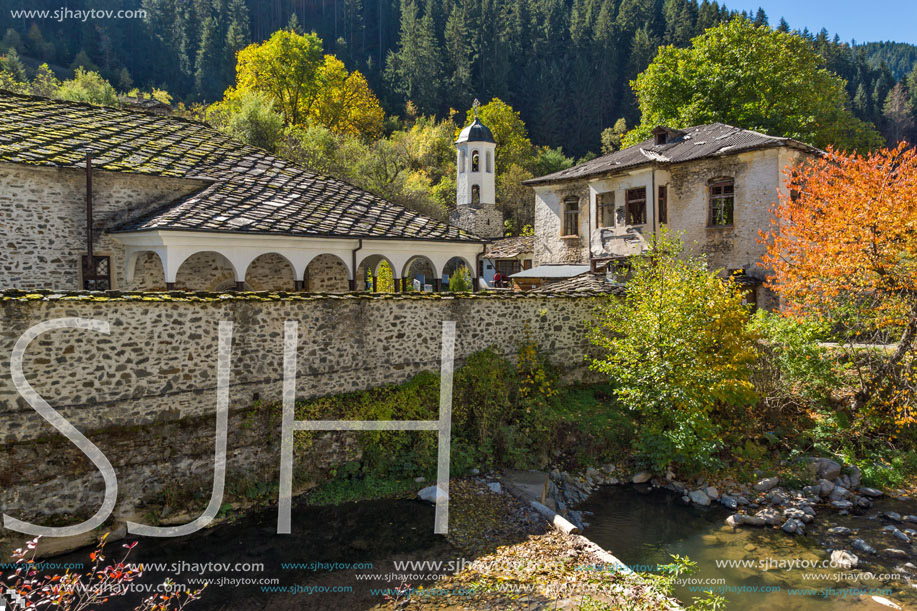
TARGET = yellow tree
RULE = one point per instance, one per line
(306, 87)
(844, 248)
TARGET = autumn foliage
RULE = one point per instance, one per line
(842, 249)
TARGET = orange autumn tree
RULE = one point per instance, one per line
(842, 248)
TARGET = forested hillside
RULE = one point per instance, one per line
(564, 65)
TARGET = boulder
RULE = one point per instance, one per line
(870, 492)
(755, 520)
(894, 553)
(728, 501)
(642, 477)
(712, 492)
(839, 493)
(812, 492)
(842, 505)
(770, 516)
(843, 559)
(894, 516)
(825, 487)
(736, 519)
(428, 494)
(839, 530)
(699, 497)
(854, 477)
(863, 502)
(794, 527)
(861, 546)
(826, 468)
(766, 484)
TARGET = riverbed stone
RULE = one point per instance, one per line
(862, 502)
(894, 553)
(842, 505)
(770, 516)
(699, 497)
(839, 530)
(870, 492)
(495, 487)
(826, 468)
(712, 492)
(861, 546)
(755, 520)
(428, 494)
(897, 534)
(894, 516)
(642, 477)
(794, 527)
(843, 559)
(729, 501)
(766, 484)
(812, 492)
(910, 518)
(825, 487)
(736, 519)
(855, 476)
(839, 493)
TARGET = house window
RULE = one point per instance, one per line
(571, 216)
(605, 209)
(508, 267)
(722, 201)
(490, 162)
(97, 275)
(475, 195)
(663, 200)
(527, 264)
(462, 162)
(635, 203)
(661, 138)
(475, 161)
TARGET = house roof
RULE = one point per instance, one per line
(250, 190)
(510, 248)
(587, 282)
(552, 271)
(689, 144)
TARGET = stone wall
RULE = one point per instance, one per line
(146, 391)
(43, 227)
(327, 274)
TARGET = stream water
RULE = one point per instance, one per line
(643, 527)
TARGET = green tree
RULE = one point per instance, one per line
(509, 131)
(611, 136)
(752, 77)
(460, 280)
(677, 348)
(414, 69)
(88, 87)
(249, 117)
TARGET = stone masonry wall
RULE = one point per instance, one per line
(43, 220)
(146, 392)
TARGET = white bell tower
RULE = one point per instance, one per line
(476, 193)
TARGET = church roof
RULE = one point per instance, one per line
(475, 132)
(689, 144)
(247, 190)
(508, 248)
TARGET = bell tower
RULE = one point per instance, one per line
(476, 193)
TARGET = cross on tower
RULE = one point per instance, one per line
(475, 104)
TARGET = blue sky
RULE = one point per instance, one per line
(850, 19)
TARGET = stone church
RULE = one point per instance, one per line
(95, 198)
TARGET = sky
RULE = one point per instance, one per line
(870, 21)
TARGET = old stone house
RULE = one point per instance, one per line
(175, 204)
(716, 184)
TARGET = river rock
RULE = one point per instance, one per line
(894, 516)
(910, 518)
(870, 492)
(863, 502)
(826, 468)
(608, 468)
(812, 492)
(910, 532)
(839, 493)
(712, 492)
(843, 559)
(755, 520)
(825, 487)
(766, 484)
(792, 512)
(770, 516)
(728, 501)
(794, 527)
(495, 487)
(839, 530)
(844, 481)
(861, 546)
(897, 534)
(699, 497)
(842, 505)
(894, 553)
(428, 494)
(642, 477)
(736, 519)
(855, 476)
